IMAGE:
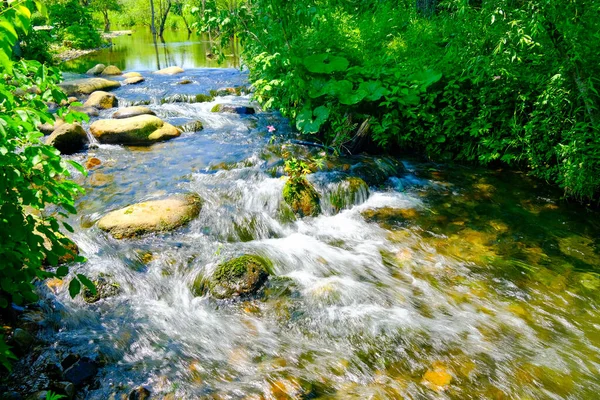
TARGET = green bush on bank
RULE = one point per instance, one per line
(34, 189)
(483, 82)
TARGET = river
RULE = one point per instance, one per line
(441, 282)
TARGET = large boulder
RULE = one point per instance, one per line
(232, 109)
(88, 85)
(170, 71)
(101, 100)
(240, 276)
(128, 75)
(96, 70)
(68, 138)
(348, 192)
(112, 70)
(151, 216)
(139, 130)
(302, 198)
(132, 111)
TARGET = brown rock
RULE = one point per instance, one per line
(101, 100)
(111, 70)
(140, 130)
(68, 138)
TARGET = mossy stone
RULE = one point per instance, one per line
(105, 287)
(240, 276)
(350, 191)
(302, 197)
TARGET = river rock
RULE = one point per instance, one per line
(22, 340)
(112, 70)
(375, 171)
(170, 71)
(184, 82)
(228, 91)
(132, 111)
(139, 130)
(65, 388)
(89, 111)
(134, 81)
(132, 75)
(192, 126)
(348, 192)
(151, 216)
(96, 70)
(81, 371)
(68, 138)
(105, 288)
(48, 128)
(87, 85)
(139, 393)
(233, 109)
(302, 197)
(240, 276)
(101, 100)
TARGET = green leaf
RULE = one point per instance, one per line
(305, 121)
(88, 283)
(74, 287)
(62, 271)
(325, 63)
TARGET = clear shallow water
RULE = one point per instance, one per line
(440, 282)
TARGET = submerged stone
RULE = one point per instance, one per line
(302, 198)
(101, 100)
(192, 126)
(81, 371)
(139, 393)
(240, 276)
(138, 130)
(105, 287)
(68, 138)
(233, 109)
(151, 216)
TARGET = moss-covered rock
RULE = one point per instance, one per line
(105, 287)
(96, 70)
(232, 109)
(302, 197)
(134, 81)
(132, 75)
(241, 276)
(151, 216)
(138, 130)
(348, 192)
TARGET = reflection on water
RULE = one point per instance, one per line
(141, 52)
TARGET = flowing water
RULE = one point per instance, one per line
(437, 282)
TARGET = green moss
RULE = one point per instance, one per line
(238, 277)
(302, 197)
(349, 192)
(217, 108)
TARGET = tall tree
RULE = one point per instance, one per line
(104, 6)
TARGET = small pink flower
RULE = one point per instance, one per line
(271, 128)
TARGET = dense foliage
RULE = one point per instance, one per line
(74, 24)
(475, 81)
(33, 188)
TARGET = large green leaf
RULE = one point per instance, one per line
(325, 63)
(309, 121)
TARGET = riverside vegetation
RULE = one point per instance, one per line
(483, 82)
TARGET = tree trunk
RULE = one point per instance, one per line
(164, 13)
(152, 28)
(106, 21)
